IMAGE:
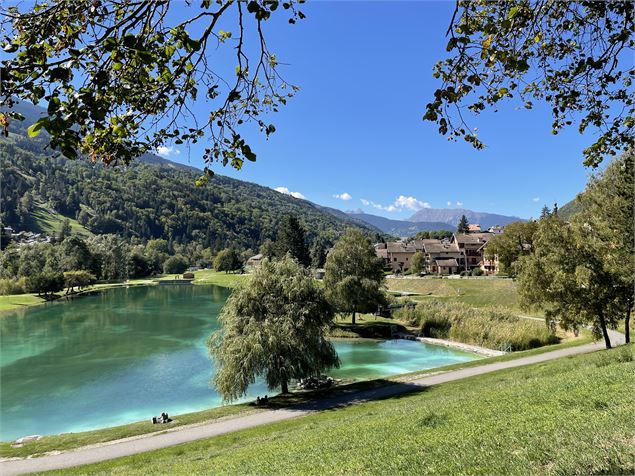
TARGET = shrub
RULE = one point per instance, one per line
(12, 286)
(175, 265)
(487, 327)
(478, 272)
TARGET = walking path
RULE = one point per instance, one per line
(151, 442)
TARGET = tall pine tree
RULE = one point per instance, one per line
(464, 225)
(290, 239)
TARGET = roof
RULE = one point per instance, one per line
(438, 246)
(256, 257)
(472, 238)
(446, 262)
(399, 247)
(474, 227)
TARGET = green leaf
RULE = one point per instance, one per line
(34, 129)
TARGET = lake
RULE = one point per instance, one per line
(126, 354)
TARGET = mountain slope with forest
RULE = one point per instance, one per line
(152, 198)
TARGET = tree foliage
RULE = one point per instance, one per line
(275, 326)
(434, 235)
(176, 264)
(418, 262)
(78, 279)
(290, 239)
(463, 226)
(227, 260)
(575, 56)
(119, 77)
(607, 219)
(582, 272)
(354, 275)
(45, 283)
(514, 242)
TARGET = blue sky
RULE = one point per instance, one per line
(355, 129)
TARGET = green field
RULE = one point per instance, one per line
(478, 292)
(43, 220)
(570, 416)
(18, 301)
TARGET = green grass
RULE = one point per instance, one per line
(569, 416)
(69, 441)
(475, 292)
(18, 301)
(366, 326)
(209, 276)
(43, 221)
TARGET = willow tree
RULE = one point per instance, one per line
(577, 57)
(273, 326)
(119, 77)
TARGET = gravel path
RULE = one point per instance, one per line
(118, 449)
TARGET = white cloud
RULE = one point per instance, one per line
(286, 191)
(343, 196)
(167, 151)
(459, 204)
(449, 204)
(535, 199)
(411, 203)
(401, 203)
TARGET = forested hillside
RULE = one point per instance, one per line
(153, 198)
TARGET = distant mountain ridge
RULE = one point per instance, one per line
(430, 219)
(452, 216)
(400, 228)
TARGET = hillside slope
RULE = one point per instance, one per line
(153, 198)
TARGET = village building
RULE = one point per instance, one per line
(472, 246)
(441, 257)
(254, 261)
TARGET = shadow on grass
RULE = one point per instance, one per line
(339, 397)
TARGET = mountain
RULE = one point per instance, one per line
(398, 228)
(151, 198)
(452, 216)
(569, 209)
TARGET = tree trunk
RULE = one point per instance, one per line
(285, 387)
(627, 323)
(605, 333)
(353, 320)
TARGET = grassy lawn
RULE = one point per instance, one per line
(570, 416)
(44, 221)
(475, 292)
(18, 301)
(366, 326)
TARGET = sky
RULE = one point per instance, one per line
(354, 137)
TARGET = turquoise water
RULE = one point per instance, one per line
(126, 354)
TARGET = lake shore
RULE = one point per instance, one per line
(14, 302)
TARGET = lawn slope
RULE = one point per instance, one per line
(570, 416)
